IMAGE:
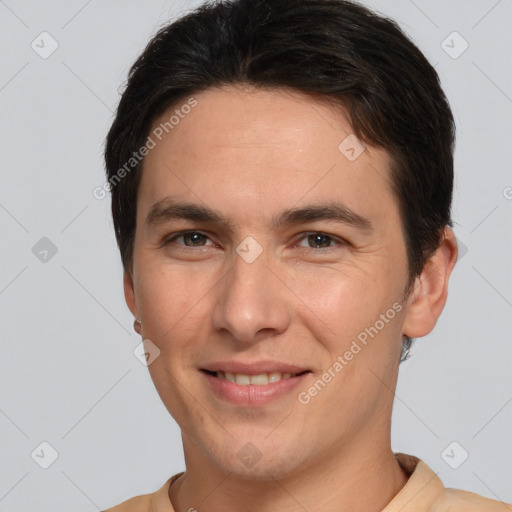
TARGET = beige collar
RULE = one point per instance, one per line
(419, 493)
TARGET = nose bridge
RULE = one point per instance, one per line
(250, 299)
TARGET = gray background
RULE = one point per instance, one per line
(68, 375)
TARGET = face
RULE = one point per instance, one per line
(263, 248)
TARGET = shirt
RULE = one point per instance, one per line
(423, 492)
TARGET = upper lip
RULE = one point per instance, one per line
(254, 368)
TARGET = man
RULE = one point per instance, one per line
(281, 175)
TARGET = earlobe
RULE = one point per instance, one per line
(129, 293)
(428, 298)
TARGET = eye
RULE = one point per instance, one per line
(319, 240)
(190, 239)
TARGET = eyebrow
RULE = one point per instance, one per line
(169, 209)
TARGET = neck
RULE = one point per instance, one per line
(361, 478)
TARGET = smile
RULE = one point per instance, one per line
(244, 390)
(261, 379)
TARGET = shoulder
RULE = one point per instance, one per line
(158, 500)
(425, 491)
(463, 501)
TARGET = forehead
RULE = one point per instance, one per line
(248, 116)
(247, 148)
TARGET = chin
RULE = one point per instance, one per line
(260, 460)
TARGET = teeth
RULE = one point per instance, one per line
(257, 380)
(243, 380)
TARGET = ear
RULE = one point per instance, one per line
(129, 293)
(428, 298)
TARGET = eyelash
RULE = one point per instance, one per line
(334, 239)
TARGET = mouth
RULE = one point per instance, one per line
(256, 388)
(260, 379)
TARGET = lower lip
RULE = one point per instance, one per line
(253, 395)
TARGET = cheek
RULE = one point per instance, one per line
(171, 299)
(173, 304)
(338, 303)
(357, 316)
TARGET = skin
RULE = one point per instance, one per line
(249, 154)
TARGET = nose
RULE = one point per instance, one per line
(251, 302)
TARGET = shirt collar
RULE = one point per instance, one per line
(160, 501)
(418, 495)
(422, 489)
